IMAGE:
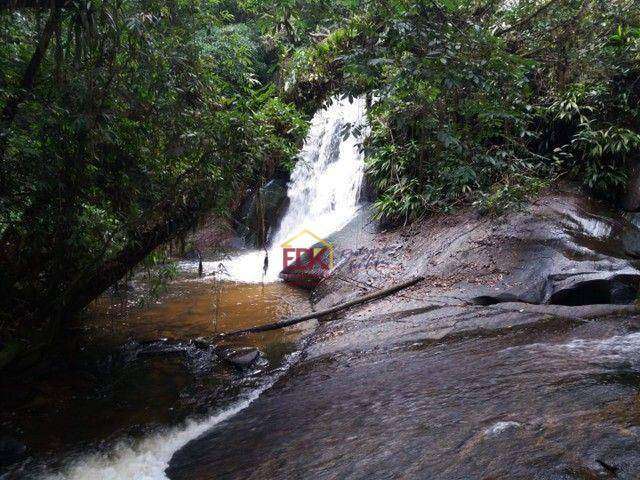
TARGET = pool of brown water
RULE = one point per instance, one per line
(125, 371)
(199, 308)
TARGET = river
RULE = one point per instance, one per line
(131, 384)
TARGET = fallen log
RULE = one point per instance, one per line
(337, 308)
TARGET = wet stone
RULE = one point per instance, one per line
(242, 358)
(202, 344)
(501, 427)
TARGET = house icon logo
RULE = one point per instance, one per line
(297, 256)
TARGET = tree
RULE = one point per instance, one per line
(123, 123)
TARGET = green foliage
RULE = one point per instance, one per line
(159, 270)
(511, 193)
(142, 116)
(599, 113)
(288, 24)
(486, 104)
(444, 121)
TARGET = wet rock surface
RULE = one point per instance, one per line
(517, 358)
(262, 211)
(242, 358)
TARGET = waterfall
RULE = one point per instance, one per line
(323, 197)
(323, 191)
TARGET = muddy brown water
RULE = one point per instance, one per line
(195, 308)
(126, 371)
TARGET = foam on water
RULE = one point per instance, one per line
(619, 347)
(149, 458)
(499, 427)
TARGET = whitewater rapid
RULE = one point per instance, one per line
(148, 458)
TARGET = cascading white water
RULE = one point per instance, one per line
(325, 184)
(323, 197)
(323, 191)
(149, 458)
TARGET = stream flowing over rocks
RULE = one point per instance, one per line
(518, 357)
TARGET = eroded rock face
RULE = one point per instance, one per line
(564, 249)
(514, 360)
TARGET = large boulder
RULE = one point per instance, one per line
(563, 249)
(262, 211)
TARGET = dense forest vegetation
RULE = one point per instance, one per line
(124, 121)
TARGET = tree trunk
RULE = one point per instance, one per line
(323, 313)
(90, 286)
(28, 79)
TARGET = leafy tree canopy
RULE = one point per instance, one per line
(123, 121)
(485, 101)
